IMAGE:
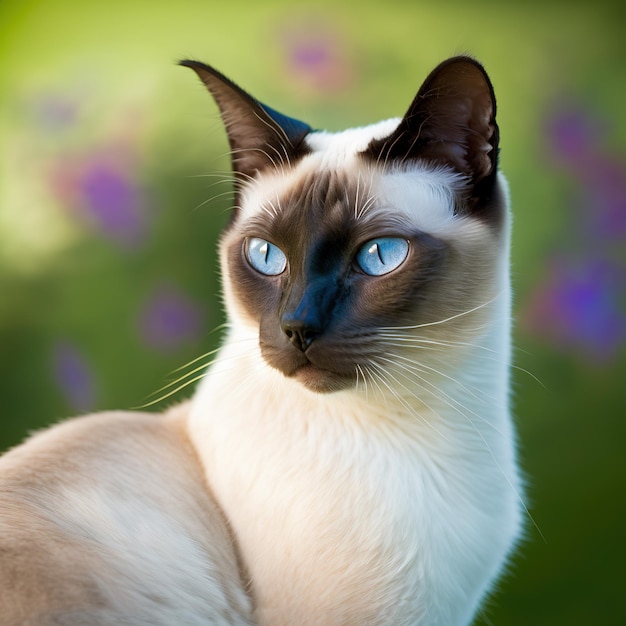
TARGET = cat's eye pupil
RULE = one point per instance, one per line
(265, 257)
(383, 255)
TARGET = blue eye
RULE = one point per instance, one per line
(265, 257)
(383, 255)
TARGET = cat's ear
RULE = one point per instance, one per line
(451, 121)
(259, 137)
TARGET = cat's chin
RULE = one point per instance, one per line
(317, 370)
(319, 380)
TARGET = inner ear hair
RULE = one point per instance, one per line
(452, 122)
(259, 136)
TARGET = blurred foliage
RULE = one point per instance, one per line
(110, 213)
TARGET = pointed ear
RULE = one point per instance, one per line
(452, 121)
(259, 137)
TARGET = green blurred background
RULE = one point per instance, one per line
(108, 224)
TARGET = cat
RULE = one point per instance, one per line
(349, 456)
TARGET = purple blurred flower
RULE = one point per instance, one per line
(582, 302)
(109, 194)
(168, 319)
(582, 305)
(74, 376)
(607, 200)
(577, 138)
(316, 53)
(573, 133)
(102, 188)
(312, 56)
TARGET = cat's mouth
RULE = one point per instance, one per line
(320, 368)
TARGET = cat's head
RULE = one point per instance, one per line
(348, 252)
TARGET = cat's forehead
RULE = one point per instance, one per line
(338, 176)
(336, 148)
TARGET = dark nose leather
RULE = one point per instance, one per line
(300, 333)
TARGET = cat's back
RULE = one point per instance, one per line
(107, 519)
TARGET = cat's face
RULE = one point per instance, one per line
(349, 252)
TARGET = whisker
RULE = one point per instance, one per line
(356, 199)
(223, 176)
(191, 373)
(183, 385)
(203, 366)
(450, 401)
(402, 341)
(376, 385)
(419, 366)
(212, 199)
(363, 376)
(443, 321)
(277, 128)
(377, 379)
(388, 150)
(403, 401)
(445, 343)
(171, 393)
(368, 204)
(415, 139)
(202, 356)
(487, 448)
(529, 373)
(263, 152)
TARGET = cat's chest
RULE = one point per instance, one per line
(327, 515)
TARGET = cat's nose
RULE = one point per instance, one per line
(299, 332)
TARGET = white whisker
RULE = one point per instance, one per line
(482, 438)
(212, 199)
(405, 403)
(182, 382)
(171, 393)
(412, 363)
(277, 128)
(446, 398)
(375, 381)
(443, 321)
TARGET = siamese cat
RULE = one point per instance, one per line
(349, 457)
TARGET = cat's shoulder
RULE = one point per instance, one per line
(94, 437)
(97, 514)
(84, 466)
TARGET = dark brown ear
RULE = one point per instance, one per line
(451, 121)
(259, 137)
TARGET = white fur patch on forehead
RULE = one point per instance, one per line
(423, 195)
(339, 147)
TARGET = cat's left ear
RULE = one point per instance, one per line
(451, 121)
(259, 137)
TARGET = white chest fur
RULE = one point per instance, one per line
(350, 511)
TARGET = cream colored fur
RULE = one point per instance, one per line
(364, 507)
(107, 520)
(263, 502)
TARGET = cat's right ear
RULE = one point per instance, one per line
(259, 137)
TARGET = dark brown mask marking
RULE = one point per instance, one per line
(318, 320)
